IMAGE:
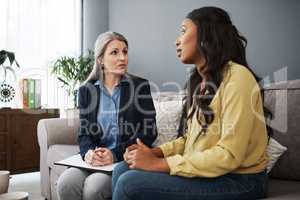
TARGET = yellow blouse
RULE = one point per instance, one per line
(235, 141)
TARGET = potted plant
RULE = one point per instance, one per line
(7, 91)
(72, 71)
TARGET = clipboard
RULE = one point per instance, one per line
(77, 162)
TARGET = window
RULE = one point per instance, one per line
(39, 32)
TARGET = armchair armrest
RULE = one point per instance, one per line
(57, 131)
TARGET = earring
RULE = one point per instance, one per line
(201, 43)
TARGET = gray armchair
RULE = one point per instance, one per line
(57, 139)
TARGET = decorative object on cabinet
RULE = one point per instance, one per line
(7, 90)
(30, 90)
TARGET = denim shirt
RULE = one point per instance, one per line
(108, 115)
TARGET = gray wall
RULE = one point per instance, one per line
(95, 21)
(151, 26)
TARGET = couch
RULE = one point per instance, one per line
(58, 139)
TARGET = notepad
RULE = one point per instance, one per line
(77, 162)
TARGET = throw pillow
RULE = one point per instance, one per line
(274, 151)
(168, 115)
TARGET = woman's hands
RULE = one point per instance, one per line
(139, 156)
(99, 157)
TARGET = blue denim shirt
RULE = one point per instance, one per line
(108, 115)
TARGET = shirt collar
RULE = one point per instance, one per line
(123, 79)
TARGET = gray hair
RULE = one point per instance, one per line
(100, 48)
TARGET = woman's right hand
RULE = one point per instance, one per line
(156, 151)
(92, 158)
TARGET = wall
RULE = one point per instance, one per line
(95, 21)
(151, 26)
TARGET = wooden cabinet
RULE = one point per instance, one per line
(19, 149)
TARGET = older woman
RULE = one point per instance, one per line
(116, 108)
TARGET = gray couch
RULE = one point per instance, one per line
(57, 140)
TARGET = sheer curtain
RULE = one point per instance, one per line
(40, 31)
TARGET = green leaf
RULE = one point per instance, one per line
(17, 63)
(64, 82)
(2, 58)
(11, 57)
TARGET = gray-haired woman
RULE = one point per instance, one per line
(116, 108)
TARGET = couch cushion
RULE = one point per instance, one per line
(59, 152)
(283, 190)
(168, 96)
(283, 100)
(168, 115)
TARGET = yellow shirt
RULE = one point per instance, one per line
(235, 141)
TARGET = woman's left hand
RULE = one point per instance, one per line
(140, 156)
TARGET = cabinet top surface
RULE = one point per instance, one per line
(28, 111)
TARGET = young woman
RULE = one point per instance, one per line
(222, 151)
(115, 109)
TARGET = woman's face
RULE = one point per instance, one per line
(115, 58)
(186, 43)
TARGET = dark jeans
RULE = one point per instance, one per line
(144, 185)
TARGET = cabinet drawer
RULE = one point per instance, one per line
(3, 122)
(3, 142)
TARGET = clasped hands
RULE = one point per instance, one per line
(139, 156)
(99, 157)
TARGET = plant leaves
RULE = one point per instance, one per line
(72, 71)
(2, 58)
(11, 56)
